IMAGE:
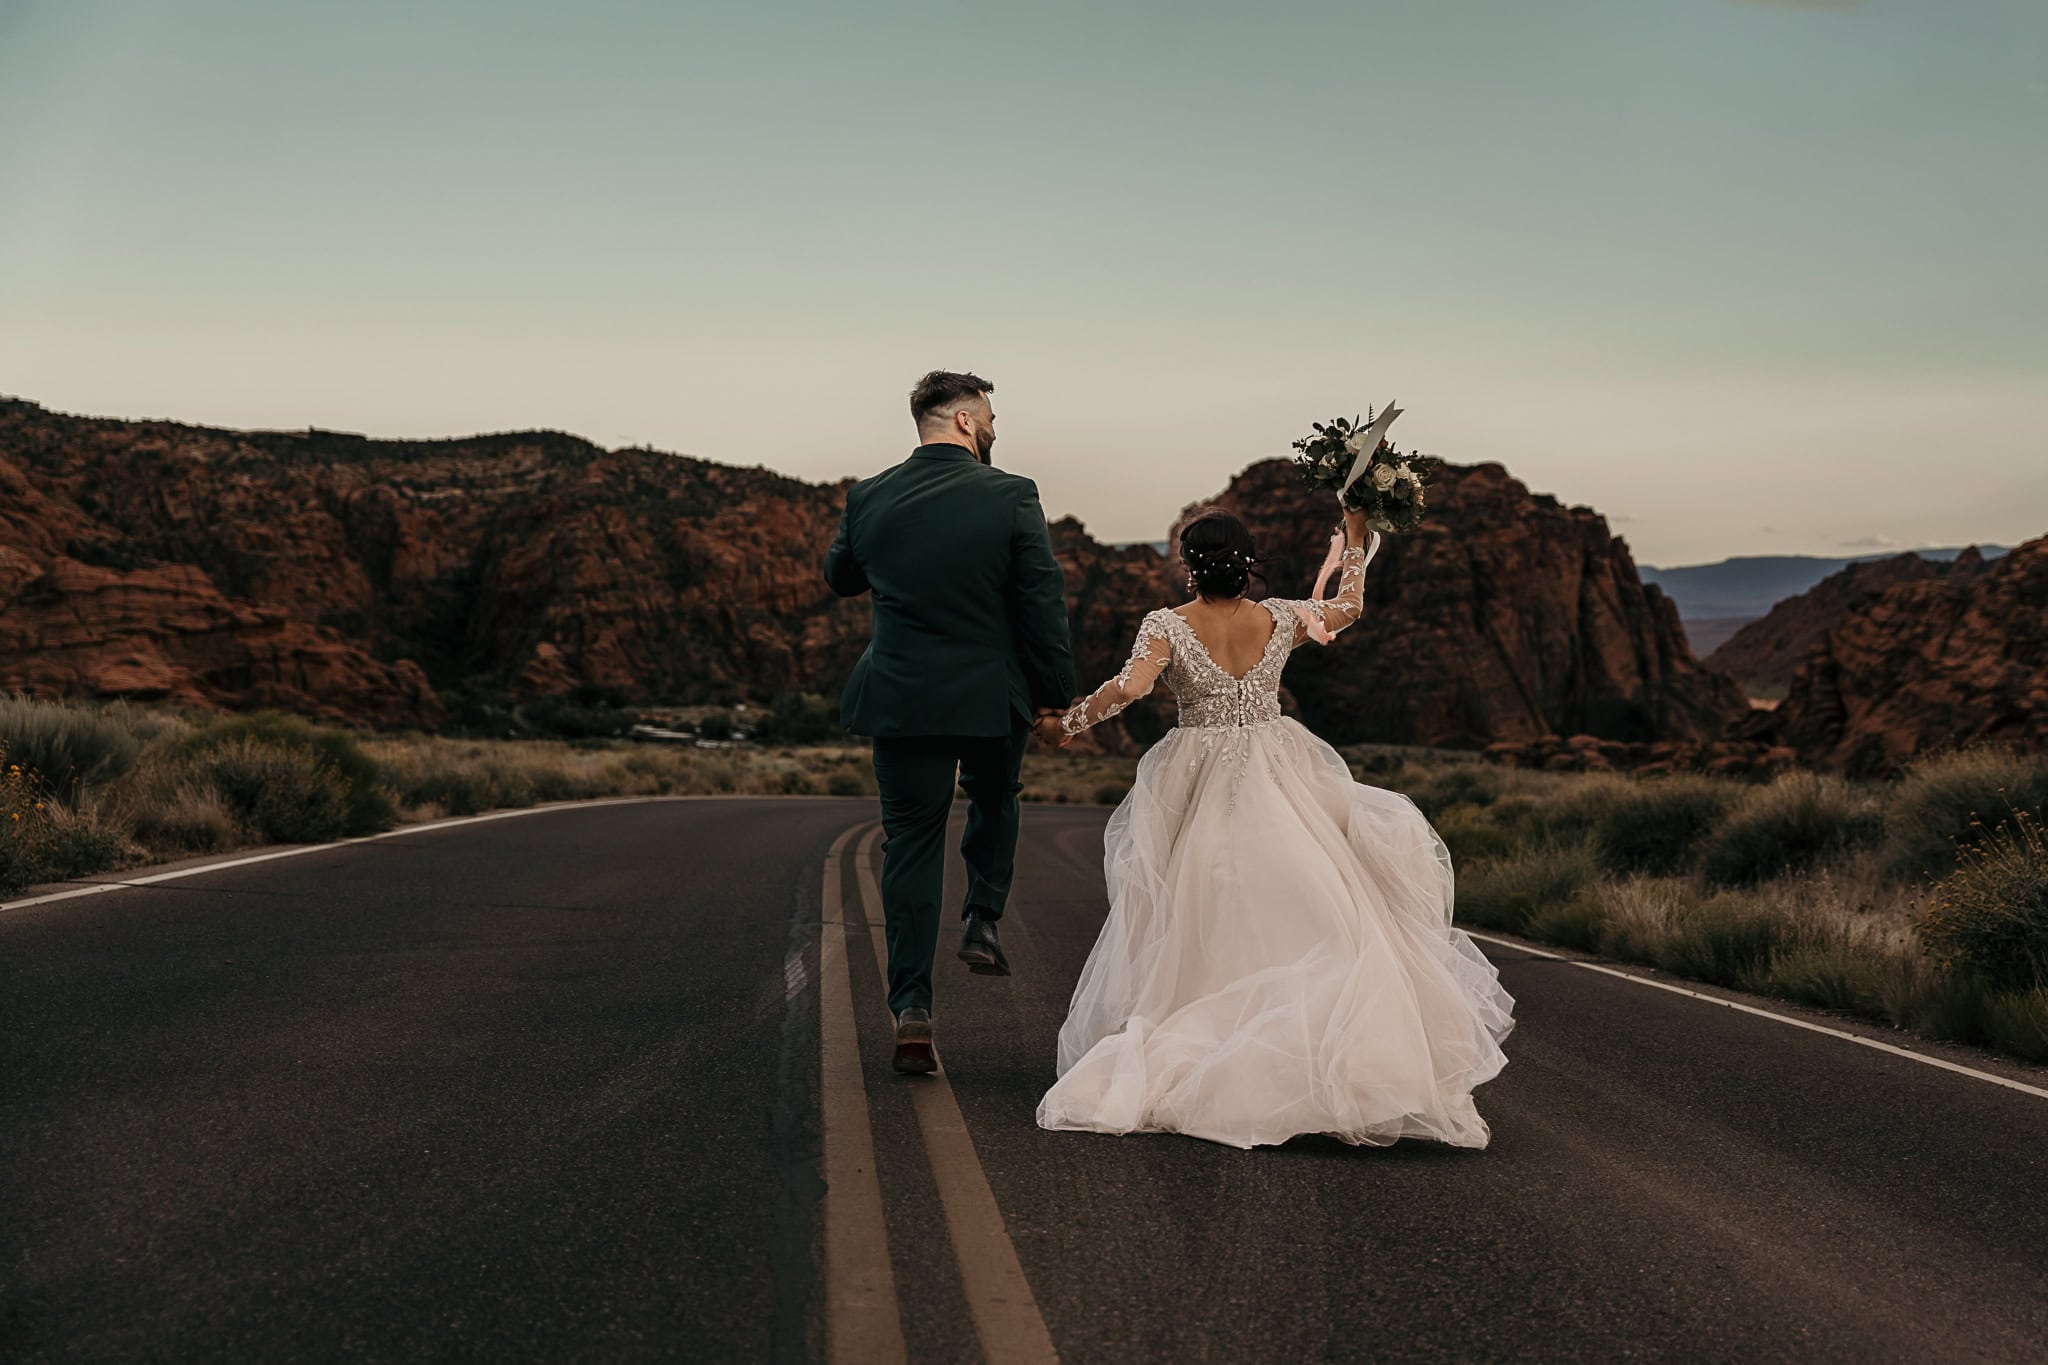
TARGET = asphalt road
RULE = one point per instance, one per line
(550, 1088)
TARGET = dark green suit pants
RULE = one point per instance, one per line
(916, 777)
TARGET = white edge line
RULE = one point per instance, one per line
(424, 826)
(1857, 1038)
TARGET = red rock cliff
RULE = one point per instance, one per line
(351, 578)
(1953, 660)
(1506, 616)
(1763, 655)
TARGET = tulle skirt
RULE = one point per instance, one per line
(1278, 958)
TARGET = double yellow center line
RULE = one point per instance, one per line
(863, 1320)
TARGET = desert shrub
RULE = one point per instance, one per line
(2017, 1022)
(1575, 806)
(1462, 785)
(1989, 918)
(1835, 975)
(587, 712)
(846, 784)
(1954, 1006)
(625, 780)
(1470, 834)
(1967, 1009)
(716, 726)
(368, 805)
(1727, 940)
(1580, 922)
(792, 782)
(284, 793)
(1800, 820)
(1635, 916)
(660, 770)
(72, 748)
(21, 863)
(22, 826)
(800, 718)
(479, 710)
(568, 780)
(1658, 830)
(1513, 812)
(1735, 938)
(1503, 893)
(78, 842)
(149, 724)
(182, 816)
(1111, 794)
(1953, 800)
(492, 782)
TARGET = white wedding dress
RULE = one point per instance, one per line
(1278, 957)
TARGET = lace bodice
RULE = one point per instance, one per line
(1209, 697)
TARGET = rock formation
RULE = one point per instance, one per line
(351, 578)
(1763, 655)
(1938, 662)
(358, 579)
(1507, 616)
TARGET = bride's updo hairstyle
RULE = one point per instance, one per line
(1217, 549)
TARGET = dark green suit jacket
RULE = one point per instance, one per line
(970, 613)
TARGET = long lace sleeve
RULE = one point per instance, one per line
(1320, 618)
(1149, 657)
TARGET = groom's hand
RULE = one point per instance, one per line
(1047, 727)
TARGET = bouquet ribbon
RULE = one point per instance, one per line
(1317, 631)
(1373, 435)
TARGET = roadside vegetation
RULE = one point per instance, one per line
(86, 790)
(1920, 903)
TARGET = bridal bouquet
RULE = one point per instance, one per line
(1357, 462)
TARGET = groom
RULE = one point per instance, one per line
(968, 646)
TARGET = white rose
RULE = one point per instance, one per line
(1408, 473)
(1383, 477)
(1355, 442)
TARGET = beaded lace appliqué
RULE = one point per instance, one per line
(1149, 656)
(1211, 699)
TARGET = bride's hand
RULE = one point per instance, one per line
(1356, 532)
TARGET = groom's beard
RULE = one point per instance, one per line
(984, 442)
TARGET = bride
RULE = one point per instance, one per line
(1278, 957)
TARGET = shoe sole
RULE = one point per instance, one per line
(983, 963)
(914, 1057)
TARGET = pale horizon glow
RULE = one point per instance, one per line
(1746, 277)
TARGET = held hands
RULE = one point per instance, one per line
(1047, 728)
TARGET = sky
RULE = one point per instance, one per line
(1746, 277)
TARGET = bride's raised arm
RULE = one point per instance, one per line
(1320, 618)
(1149, 657)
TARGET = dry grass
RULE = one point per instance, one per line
(1950, 802)
(1792, 889)
(144, 786)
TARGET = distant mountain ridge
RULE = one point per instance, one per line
(1750, 585)
(1764, 654)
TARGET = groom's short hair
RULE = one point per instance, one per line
(941, 389)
